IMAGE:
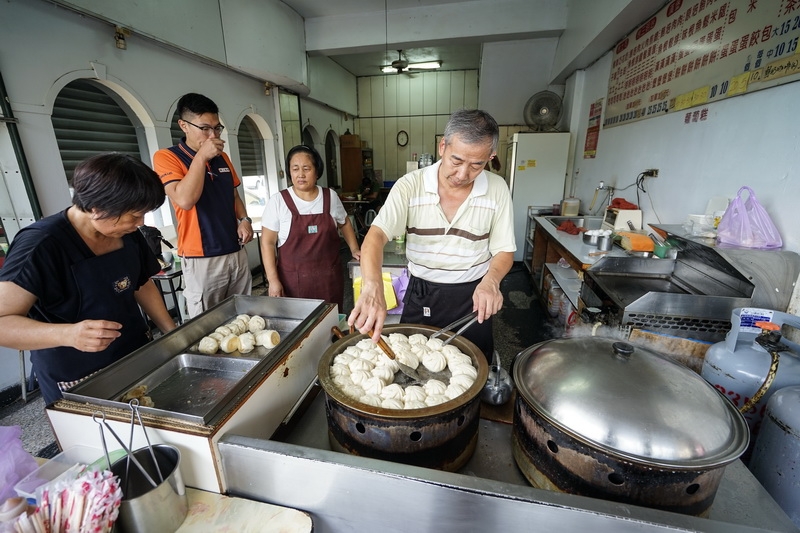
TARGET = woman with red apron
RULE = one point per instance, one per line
(300, 239)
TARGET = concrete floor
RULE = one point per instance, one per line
(522, 322)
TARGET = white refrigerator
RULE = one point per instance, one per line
(536, 168)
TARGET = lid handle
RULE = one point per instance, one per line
(622, 350)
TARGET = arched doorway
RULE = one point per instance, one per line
(331, 161)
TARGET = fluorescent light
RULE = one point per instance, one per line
(426, 65)
(388, 69)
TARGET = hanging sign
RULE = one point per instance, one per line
(694, 52)
(593, 131)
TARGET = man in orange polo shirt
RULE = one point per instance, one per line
(213, 225)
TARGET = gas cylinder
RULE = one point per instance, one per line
(739, 366)
(776, 455)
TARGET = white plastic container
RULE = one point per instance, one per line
(570, 207)
(64, 465)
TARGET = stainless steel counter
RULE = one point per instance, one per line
(574, 243)
(394, 260)
(349, 493)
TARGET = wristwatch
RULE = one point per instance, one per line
(250, 220)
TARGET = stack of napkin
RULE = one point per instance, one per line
(635, 242)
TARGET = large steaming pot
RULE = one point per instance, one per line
(601, 418)
(442, 437)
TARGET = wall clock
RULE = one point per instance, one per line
(402, 138)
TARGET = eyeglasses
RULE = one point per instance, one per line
(207, 129)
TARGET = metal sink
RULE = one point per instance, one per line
(580, 222)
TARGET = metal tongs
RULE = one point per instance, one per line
(467, 320)
(101, 423)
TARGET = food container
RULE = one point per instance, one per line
(442, 437)
(592, 237)
(604, 243)
(144, 508)
(601, 418)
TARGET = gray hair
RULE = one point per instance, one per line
(472, 126)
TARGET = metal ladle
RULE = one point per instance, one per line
(498, 387)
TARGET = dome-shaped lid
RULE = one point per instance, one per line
(630, 402)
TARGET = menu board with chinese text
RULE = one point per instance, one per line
(694, 52)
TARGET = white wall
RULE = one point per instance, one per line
(420, 104)
(512, 72)
(746, 140)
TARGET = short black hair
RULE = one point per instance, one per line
(196, 104)
(315, 157)
(114, 184)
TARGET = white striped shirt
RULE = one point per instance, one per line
(442, 251)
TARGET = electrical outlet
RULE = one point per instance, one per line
(651, 172)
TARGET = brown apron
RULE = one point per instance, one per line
(308, 262)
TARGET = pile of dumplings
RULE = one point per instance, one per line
(365, 374)
(243, 333)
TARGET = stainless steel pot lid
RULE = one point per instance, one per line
(630, 402)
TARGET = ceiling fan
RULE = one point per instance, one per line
(402, 65)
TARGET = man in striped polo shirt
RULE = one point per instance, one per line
(460, 236)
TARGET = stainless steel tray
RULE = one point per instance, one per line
(209, 378)
(291, 317)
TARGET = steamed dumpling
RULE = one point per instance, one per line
(415, 392)
(463, 380)
(417, 338)
(338, 369)
(434, 361)
(454, 391)
(392, 403)
(371, 399)
(434, 387)
(408, 359)
(414, 404)
(384, 373)
(467, 370)
(358, 377)
(372, 385)
(435, 399)
(393, 390)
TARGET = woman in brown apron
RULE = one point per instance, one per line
(300, 239)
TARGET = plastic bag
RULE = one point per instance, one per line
(746, 223)
(15, 462)
(400, 284)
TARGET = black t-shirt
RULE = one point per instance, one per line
(49, 259)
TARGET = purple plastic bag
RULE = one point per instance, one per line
(15, 462)
(746, 223)
(400, 284)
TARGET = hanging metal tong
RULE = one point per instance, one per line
(467, 320)
(102, 422)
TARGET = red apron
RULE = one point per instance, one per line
(308, 262)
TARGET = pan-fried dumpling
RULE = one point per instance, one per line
(414, 404)
(216, 336)
(243, 317)
(236, 327)
(208, 345)
(384, 373)
(393, 390)
(256, 324)
(247, 341)
(224, 330)
(136, 392)
(268, 338)
(229, 344)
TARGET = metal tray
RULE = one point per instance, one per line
(291, 317)
(209, 378)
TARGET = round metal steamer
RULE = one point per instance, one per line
(443, 437)
(600, 418)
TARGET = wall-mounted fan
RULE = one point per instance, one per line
(543, 111)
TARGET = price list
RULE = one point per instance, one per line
(693, 52)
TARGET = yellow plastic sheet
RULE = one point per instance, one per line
(388, 290)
